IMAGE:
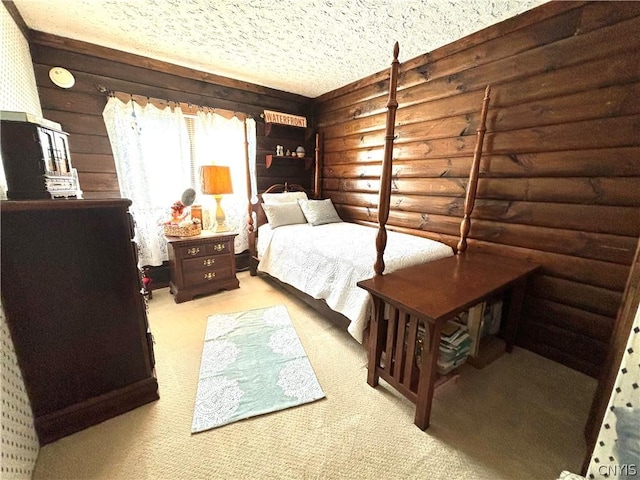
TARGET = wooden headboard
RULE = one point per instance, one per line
(256, 208)
(257, 217)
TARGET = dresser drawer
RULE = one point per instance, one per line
(220, 271)
(203, 249)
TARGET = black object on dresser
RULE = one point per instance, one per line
(201, 264)
(78, 321)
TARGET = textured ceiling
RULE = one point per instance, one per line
(307, 47)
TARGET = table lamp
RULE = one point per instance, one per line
(216, 181)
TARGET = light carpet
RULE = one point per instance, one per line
(520, 418)
(252, 363)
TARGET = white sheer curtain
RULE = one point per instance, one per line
(220, 140)
(156, 160)
(251, 137)
(151, 150)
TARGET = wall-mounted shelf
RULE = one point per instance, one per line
(279, 129)
(271, 158)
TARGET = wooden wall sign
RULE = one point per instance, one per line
(285, 119)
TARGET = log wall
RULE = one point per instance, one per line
(559, 180)
(79, 109)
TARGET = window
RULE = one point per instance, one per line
(158, 153)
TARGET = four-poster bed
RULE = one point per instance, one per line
(338, 279)
(391, 259)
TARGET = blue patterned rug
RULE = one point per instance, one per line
(252, 363)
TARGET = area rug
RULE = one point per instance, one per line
(252, 363)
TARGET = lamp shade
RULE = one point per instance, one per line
(215, 180)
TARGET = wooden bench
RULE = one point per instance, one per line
(432, 294)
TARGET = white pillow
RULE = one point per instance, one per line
(279, 214)
(284, 197)
(319, 212)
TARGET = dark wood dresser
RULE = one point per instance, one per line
(77, 318)
(201, 264)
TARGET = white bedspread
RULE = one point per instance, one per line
(326, 262)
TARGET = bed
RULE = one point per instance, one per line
(326, 261)
(307, 247)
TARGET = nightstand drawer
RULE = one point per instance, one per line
(203, 249)
(201, 264)
(207, 275)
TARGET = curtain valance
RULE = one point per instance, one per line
(187, 108)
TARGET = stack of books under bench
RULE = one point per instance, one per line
(455, 345)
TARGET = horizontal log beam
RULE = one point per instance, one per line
(94, 144)
(596, 246)
(97, 182)
(575, 294)
(575, 351)
(610, 276)
(93, 163)
(610, 162)
(620, 221)
(615, 220)
(95, 195)
(591, 325)
(602, 191)
(75, 122)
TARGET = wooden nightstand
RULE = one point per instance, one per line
(202, 264)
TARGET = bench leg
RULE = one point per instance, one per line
(376, 339)
(428, 373)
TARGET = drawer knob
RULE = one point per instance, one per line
(209, 275)
(193, 251)
(208, 262)
(218, 247)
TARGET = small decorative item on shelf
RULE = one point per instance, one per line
(279, 150)
(300, 151)
(288, 154)
(196, 212)
(294, 154)
(181, 224)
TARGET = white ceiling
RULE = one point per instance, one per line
(307, 47)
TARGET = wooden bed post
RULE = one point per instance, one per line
(250, 228)
(385, 175)
(248, 167)
(317, 183)
(472, 186)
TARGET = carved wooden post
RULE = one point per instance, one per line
(317, 183)
(385, 175)
(472, 186)
(252, 238)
